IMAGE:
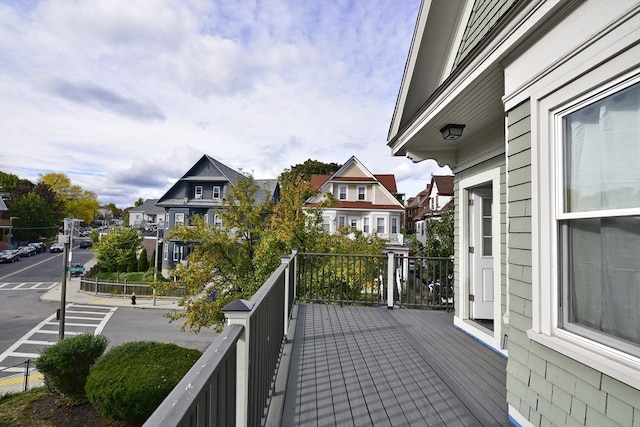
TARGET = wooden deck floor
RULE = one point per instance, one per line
(367, 366)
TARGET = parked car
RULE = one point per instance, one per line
(39, 246)
(84, 244)
(26, 250)
(9, 255)
(56, 247)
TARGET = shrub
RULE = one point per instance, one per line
(65, 365)
(131, 380)
(143, 262)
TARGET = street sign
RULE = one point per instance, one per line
(76, 269)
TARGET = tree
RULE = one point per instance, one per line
(310, 167)
(222, 261)
(115, 251)
(143, 262)
(78, 203)
(439, 235)
(33, 218)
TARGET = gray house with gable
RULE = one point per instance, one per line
(201, 191)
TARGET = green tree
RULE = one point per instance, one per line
(310, 167)
(439, 236)
(143, 262)
(115, 251)
(33, 218)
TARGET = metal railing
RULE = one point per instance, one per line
(345, 279)
(232, 382)
(19, 377)
(125, 289)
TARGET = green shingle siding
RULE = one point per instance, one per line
(485, 14)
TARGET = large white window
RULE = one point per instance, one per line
(394, 225)
(198, 192)
(178, 218)
(216, 192)
(380, 225)
(599, 218)
(365, 225)
(362, 195)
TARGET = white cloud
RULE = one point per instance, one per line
(125, 99)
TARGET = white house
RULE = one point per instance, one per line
(366, 202)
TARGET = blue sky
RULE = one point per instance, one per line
(125, 96)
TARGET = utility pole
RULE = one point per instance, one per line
(11, 231)
(63, 291)
(66, 238)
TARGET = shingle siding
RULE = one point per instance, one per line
(546, 386)
(484, 16)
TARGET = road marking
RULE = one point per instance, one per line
(103, 314)
(27, 286)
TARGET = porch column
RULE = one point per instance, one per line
(390, 259)
(238, 312)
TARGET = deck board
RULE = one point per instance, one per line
(374, 366)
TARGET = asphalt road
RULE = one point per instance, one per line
(22, 283)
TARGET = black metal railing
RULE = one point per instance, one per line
(345, 279)
(19, 377)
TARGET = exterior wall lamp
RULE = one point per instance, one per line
(451, 131)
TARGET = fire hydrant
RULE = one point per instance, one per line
(133, 298)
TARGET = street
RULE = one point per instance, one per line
(28, 324)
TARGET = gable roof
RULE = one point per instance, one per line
(354, 172)
(148, 207)
(205, 169)
(454, 74)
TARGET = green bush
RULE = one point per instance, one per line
(143, 262)
(131, 380)
(65, 365)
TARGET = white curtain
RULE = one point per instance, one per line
(602, 173)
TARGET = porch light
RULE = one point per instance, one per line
(451, 131)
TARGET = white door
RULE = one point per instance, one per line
(481, 286)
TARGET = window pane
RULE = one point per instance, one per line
(602, 154)
(603, 266)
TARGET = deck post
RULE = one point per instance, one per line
(390, 259)
(238, 312)
(285, 260)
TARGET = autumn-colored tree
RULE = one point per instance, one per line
(78, 203)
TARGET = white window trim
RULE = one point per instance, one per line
(346, 192)
(548, 198)
(213, 195)
(198, 192)
(364, 193)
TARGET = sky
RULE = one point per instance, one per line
(124, 96)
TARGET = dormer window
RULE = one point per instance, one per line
(216, 192)
(198, 193)
(342, 192)
(362, 195)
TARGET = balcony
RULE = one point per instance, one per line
(343, 340)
